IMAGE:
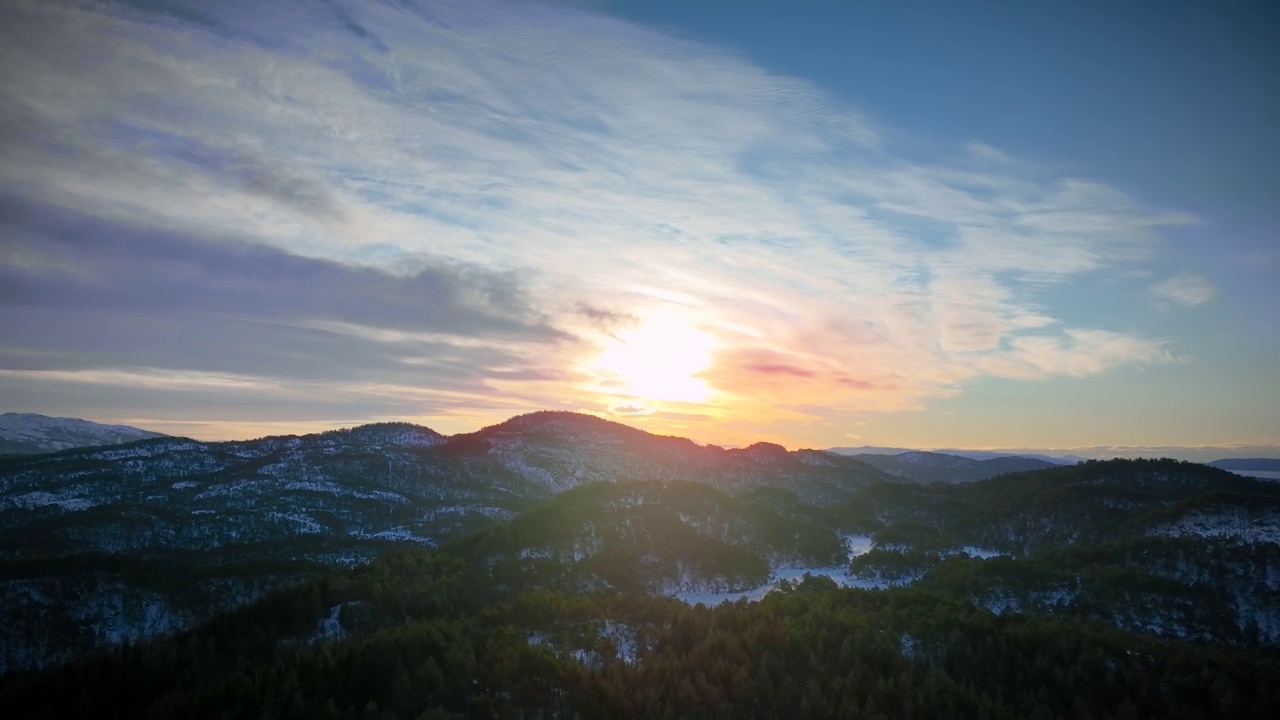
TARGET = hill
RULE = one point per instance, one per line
(673, 539)
(959, 452)
(563, 612)
(1159, 546)
(104, 545)
(28, 433)
(100, 546)
(1268, 468)
(930, 467)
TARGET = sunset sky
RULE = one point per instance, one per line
(983, 225)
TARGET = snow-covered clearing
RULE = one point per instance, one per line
(855, 545)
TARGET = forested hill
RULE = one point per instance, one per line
(428, 635)
(103, 545)
(29, 433)
(657, 538)
(931, 467)
(1160, 546)
(1116, 589)
(1094, 501)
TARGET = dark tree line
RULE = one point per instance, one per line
(427, 635)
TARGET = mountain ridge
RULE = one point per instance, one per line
(291, 506)
(31, 433)
(959, 452)
(928, 467)
(118, 543)
(1247, 464)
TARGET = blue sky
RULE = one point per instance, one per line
(1041, 225)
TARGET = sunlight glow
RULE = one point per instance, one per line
(659, 360)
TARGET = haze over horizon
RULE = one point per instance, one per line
(1202, 454)
(1047, 228)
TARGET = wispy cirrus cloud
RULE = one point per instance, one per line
(508, 185)
(1185, 289)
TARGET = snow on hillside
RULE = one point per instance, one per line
(1254, 528)
(28, 433)
(693, 592)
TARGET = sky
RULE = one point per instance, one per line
(980, 225)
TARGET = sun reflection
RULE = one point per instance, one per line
(659, 360)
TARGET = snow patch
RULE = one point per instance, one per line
(39, 498)
(982, 553)
(330, 628)
(332, 488)
(303, 524)
(1233, 524)
(488, 511)
(909, 645)
(855, 545)
(402, 533)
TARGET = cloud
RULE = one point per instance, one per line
(986, 153)
(114, 266)
(629, 410)
(779, 369)
(1185, 289)
(1078, 353)
(156, 312)
(473, 197)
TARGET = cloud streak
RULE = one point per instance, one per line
(506, 186)
(74, 261)
(1185, 289)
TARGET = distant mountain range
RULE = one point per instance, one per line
(28, 433)
(1246, 464)
(970, 454)
(1206, 455)
(928, 467)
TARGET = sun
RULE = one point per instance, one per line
(659, 360)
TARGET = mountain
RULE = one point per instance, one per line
(99, 546)
(553, 451)
(929, 467)
(120, 543)
(994, 454)
(104, 545)
(970, 454)
(28, 433)
(868, 450)
(1244, 465)
(1253, 457)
